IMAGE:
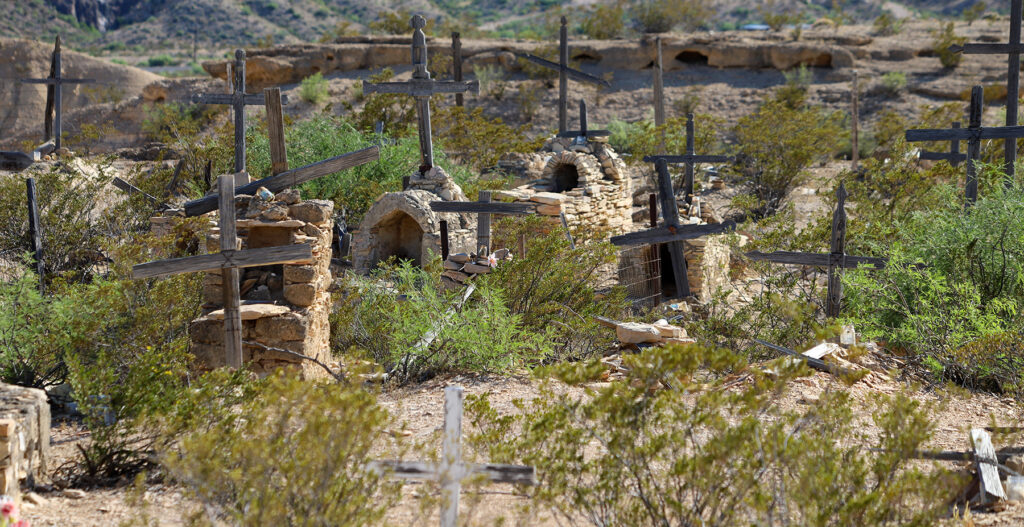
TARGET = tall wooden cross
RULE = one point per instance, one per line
(690, 158)
(228, 260)
(421, 87)
(484, 207)
(457, 64)
(835, 260)
(1013, 49)
(451, 469)
(973, 134)
(954, 157)
(659, 87)
(54, 83)
(238, 100)
(583, 134)
(564, 74)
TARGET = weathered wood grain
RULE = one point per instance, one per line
(986, 464)
(476, 207)
(670, 213)
(665, 234)
(288, 254)
(229, 276)
(275, 130)
(35, 234)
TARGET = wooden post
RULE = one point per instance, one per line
(50, 93)
(1013, 89)
(659, 87)
(239, 110)
(483, 226)
(229, 242)
(568, 233)
(691, 149)
(275, 130)
(838, 249)
(444, 240)
(974, 147)
(457, 64)
(34, 234)
(670, 213)
(563, 79)
(451, 456)
(855, 115)
(57, 99)
(986, 463)
(522, 245)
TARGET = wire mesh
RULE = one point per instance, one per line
(640, 274)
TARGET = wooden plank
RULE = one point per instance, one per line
(15, 161)
(670, 213)
(688, 158)
(478, 207)
(834, 297)
(855, 123)
(275, 131)
(425, 471)
(575, 75)
(444, 240)
(1012, 89)
(568, 233)
(291, 178)
(34, 231)
(286, 254)
(690, 151)
(229, 276)
(563, 75)
(132, 189)
(977, 110)
(816, 364)
(986, 463)
(48, 112)
(422, 87)
(457, 65)
(986, 48)
(964, 134)
(659, 87)
(230, 99)
(451, 456)
(483, 225)
(666, 234)
(238, 108)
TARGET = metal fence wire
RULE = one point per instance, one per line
(640, 274)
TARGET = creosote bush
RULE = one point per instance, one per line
(944, 37)
(313, 89)
(672, 445)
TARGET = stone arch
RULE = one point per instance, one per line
(398, 236)
(398, 224)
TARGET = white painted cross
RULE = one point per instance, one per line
(451, 470)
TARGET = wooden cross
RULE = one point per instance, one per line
(457, 64)
(238, 100)
(690, 158)
(451, 469)
(290, 178)
(954, 157)
(835, 260)
(583, 133)
(564, 73)
(421, 87)
(274, 104)
(1013, 50)
(34, 234)
(55, 81)
(228, 260)
(484, 207)
(659, 87)
(973, 134)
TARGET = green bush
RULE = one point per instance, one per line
(944, 37)
(34, 333)
(605, 20)
(670, 446)
(887, 25)
(660, 16)
(161, 61)
(894, 82)
(973, 13)
(314, 89)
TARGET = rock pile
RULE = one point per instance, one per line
(461, 268)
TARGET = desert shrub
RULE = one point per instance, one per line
(778, 142)
(973, 12)
(280, 451)
(894, 82)
(479, 140)
(646, 139)
(313, 89)
(396, 111)
(970, 287)
(168, 122)
(993, 363)
(342, 29)
(943, 38)
(671, 445)
(605, 20)
(660, 16)
(798, 82)
(387, 317)
(34, 333)
(398, 23)
(887, 25)
(492, 80)
(161, 61)
(774, 18)
(837, 15)
(529, 99)
(689, 101)
(557, 302)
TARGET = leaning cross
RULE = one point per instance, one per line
(837, 259)
(56, 80)
(954, 157)
(973, 134)
(238, 100)
(484, 207)
(421, 87)
(583, 133)
(228, 260)
(1013, 49)
(564, 73)
(690, 158)
(451, 469)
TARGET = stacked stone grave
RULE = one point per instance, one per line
(284, 308)
(461, 268)
(24, 437)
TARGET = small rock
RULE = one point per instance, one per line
(34, 498)
(290, 196)
(74, 494)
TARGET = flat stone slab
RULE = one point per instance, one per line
(252, 311)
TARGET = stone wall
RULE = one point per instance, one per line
(284, 307)
(707, 265)
(24, 437)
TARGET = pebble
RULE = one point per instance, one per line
(74, 494)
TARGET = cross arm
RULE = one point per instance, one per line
(477, 207)
(590, 133)
(818, 259)
(286, 254)
(985, 48)
(494, 472)
(817, 364)
(58, 81)
(291, 178)
(689, 158)
(670, 234)
(575, 75)
(964, 134)
(942, 156)
(422, 87)
(253, 99)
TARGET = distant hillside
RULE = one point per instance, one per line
(113, 25)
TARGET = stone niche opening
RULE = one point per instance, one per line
(398, 235)
(689, 56)
(565, 177)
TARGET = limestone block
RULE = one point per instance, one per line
(25, 435)
(637, 333)
(548, 198)
(289, 196)
(302, 295)
(251, 311)
(207, 330)
(286, 327)
(312, 211)
(299, 274)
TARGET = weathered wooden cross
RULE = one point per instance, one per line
(973, 134)
(457, 64)
(54, 83)
(954, 156)
(835, 260)
(421, 87)
(689, 159)
(228, 260)
(564, 73)
(34, 234)
(1013, 49)
(582, 135)
(451, 469)
(238, 100)
(855, 123)
(484, 207)
(659, 87)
